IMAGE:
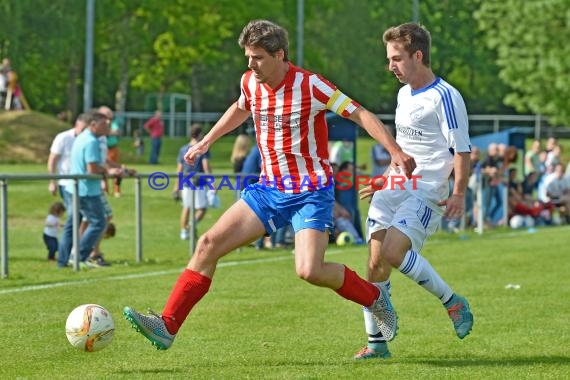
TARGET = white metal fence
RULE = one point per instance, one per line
(178, 123)
(138, 202)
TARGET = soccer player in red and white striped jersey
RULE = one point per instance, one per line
(290, 125)
(288, 106)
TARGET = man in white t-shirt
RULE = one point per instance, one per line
(432, 126)
(59, 161)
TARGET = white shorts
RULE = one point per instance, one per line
(200, 200)
(400, 209)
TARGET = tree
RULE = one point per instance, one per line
(531, 41)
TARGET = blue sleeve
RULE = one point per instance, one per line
(93, 152)
(181, 153)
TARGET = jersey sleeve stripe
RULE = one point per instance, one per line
(452, 106)
(447, 106)
(341, 104)
(333, 99)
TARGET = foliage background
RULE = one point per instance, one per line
(499, 54)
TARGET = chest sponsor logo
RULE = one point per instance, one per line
(276, 123)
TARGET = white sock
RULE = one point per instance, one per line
(374, 335)
(419, 270)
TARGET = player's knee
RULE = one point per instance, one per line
(308, 273)
(204, 247)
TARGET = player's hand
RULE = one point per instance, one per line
(370, 189)
(454, 206)
(195, 151)
(52, 187)
(403, 162)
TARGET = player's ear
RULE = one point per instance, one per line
(418, 55)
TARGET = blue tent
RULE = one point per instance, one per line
(511, 137)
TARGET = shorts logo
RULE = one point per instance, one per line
(307, 220)
(403, 222)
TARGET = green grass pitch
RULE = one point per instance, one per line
(260, 321)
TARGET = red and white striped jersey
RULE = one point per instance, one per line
(291, 128)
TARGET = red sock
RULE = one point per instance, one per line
(357, 289)
(190, 287)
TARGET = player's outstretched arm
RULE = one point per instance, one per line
(378, 131)
(230, 120)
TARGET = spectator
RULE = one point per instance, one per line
(86, 159)
(558, 192)
(550, 144)
(251, 165)
(51, 228)
(518, 204)
(113, 153)
(345, 196)
(59, 160)
(155, 127)
(532, 158)
(491, 184)
(343, 223)
(14, 98)
(138, 143)
(3, 85)
(96, 256)
(240, 151)
(380, 160)
(553, 158)
(471, 210)
(342, 151)
(200, 194)
(530, 185)
(542, 164)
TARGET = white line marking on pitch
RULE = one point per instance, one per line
(31, 288)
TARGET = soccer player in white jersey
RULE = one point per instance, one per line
(288, 107)
(431, 123)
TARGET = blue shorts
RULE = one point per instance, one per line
(275, 209)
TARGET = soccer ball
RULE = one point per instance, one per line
(344, 238)
(89, 327)
(519, 221)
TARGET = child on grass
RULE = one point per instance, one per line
(51, 228)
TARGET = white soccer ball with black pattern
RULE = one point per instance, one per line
(90, 327)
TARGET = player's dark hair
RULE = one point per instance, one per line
(267, 35)
(413, 37)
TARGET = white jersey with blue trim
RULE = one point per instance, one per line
(431, 125)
